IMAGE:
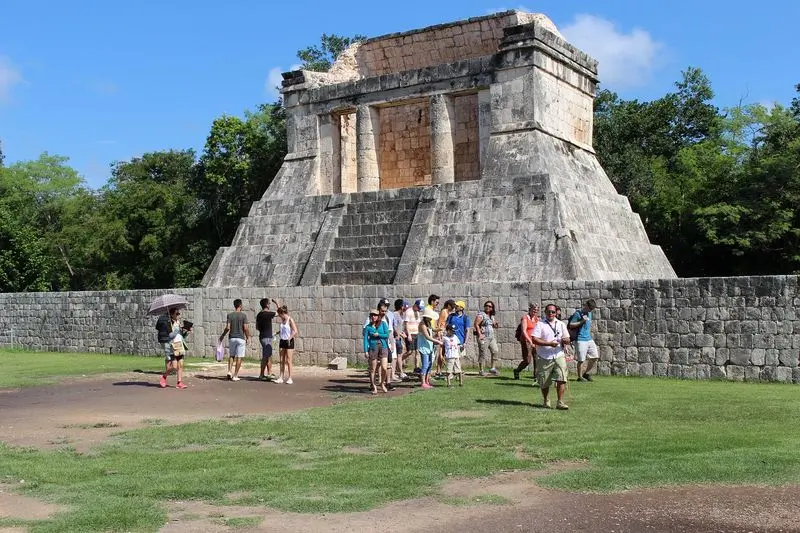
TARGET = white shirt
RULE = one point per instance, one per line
(549, 332)
(451, 345)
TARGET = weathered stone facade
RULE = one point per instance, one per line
(744, 328)
(460, 152)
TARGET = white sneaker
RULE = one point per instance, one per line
(235, 378)
(279, 380)
(403, 376)
(289, 381)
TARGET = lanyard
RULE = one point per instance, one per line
(555, 330)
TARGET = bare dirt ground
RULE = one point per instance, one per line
(83, 412)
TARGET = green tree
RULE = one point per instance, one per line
(240, 160)
(150, 218)
(320, 57)
(35, 195)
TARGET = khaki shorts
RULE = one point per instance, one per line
(487, 346)
(454, 366)
(587, 350)
(549, 370)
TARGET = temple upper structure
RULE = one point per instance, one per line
(458, 152)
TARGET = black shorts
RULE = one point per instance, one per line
(286, 344)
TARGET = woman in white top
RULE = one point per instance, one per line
(288, 332)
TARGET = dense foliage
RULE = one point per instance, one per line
(719, 190)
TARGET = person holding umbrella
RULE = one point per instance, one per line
(171, 334)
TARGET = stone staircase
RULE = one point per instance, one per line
(271, 246)
(371, 238)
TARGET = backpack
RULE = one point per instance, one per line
(518, 333)
(573, 332)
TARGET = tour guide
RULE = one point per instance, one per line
(550, 335)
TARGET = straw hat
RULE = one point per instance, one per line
(430, 313)
(461, 304)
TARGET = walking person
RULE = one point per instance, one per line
(287, 333)
(376, 345)
(485, 326)
(171, 336)
(237, 329)
(580, 325)
(526, 324)
(426, 341)
(264, 326)
(551, 337)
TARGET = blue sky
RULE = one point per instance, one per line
(104, 81)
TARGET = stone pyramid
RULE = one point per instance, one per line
(455, 153)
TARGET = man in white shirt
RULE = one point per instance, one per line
(551, 336)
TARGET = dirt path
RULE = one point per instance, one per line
(81, 413)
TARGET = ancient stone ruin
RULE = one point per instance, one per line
(459, 152)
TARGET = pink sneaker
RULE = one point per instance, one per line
(163, 381)
(427, 386)
(181, 385)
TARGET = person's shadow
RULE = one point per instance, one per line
(207, 377)
(135, 384)
(509, 402)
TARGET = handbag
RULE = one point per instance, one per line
(220, 354)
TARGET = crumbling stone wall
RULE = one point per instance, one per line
(744, 328)
(405, 145)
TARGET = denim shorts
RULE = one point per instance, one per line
(266, 347)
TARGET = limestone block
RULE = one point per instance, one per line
(735, 372)
(719, 372)
(784, 374)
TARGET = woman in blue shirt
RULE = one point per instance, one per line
(376, 345)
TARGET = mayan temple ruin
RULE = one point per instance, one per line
(459, 152)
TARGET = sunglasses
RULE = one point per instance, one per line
(550, 311)
(489, 305)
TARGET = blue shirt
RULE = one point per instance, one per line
(460, 325)
(383, 334)
(585, 331)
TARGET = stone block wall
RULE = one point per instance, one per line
(444, 43)
(465, 138)
(405, 145)
(743, 328)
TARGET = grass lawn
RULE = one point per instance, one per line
(359, 455)
(24, 369)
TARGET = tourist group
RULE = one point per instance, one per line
(416, 335)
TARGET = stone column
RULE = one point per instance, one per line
(443, 168)
(367, 130)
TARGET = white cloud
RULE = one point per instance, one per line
(624, 59)
(9, 76)
(274, 80)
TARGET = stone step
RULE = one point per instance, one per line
(288, 206)
(379, 217)
(369, 241)
(374, 229)
(249, 238)
(362, 265)
(350, 254)
(382, 205)
(358, 278)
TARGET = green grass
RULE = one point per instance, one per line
(359, 455)
(25, 369)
